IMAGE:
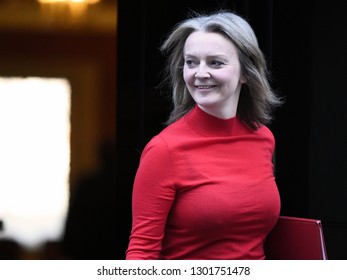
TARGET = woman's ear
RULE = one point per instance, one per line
(242, 80)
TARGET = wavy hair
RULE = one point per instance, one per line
(257, 99)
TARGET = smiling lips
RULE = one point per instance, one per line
(205, 87)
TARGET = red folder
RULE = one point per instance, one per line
(296, 239)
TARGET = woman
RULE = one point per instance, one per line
(205, 187)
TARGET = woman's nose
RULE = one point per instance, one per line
(202, 72)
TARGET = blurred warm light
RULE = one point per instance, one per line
(76, 7)
(94, 16)
(70, 1)
(35, 158)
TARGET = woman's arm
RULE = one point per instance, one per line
(153, 195)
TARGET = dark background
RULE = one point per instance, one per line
(37, 40)
(305, 45)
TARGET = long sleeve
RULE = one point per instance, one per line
(204, 189)
(153, 195)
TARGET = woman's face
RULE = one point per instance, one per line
(212, 73)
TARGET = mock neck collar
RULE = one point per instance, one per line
(208, 125)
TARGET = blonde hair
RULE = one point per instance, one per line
(256, 99)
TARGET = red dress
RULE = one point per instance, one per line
(204, 189)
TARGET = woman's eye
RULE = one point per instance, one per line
(191, 62)
(216, 63)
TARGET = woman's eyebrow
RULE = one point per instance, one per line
(220, 56)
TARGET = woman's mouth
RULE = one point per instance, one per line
(205, 87)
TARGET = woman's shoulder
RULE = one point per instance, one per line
(265, 135)
(157, 142)
(155, 150)
(261, 130)
(172, 131)
(265, 130)
(166, 139)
